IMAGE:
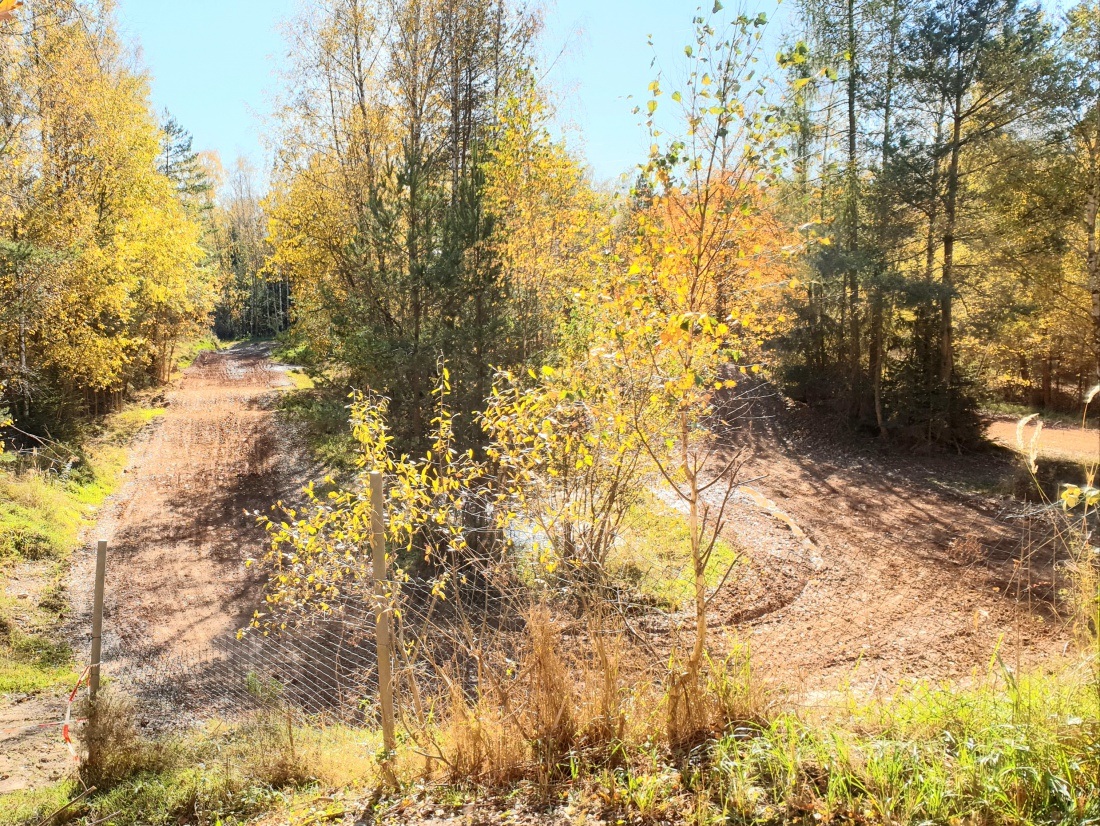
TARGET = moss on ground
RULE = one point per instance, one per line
(654, 555)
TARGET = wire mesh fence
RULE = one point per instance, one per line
(467, 621)
(458, 617)
(323, 664)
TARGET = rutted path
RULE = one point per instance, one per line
(179, 533)
(907, 577)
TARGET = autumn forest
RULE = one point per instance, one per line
(898, 225)
(715, 492)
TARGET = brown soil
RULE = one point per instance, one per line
(1057, 442)
(178, 532)
(183, 528)
(31, 754)
(905, 572)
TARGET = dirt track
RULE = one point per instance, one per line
(178, 535)
(905, 576)
(1055, 442)
(898, 576)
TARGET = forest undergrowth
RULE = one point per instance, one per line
(1005, 748)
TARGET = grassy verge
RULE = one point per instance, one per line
(206, 343)
(1019, 411)
(317, 406)
(654, 555)
(301, 379)
(1006, 749)
(223, 774)
(45, 502)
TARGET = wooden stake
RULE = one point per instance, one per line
(72, 802)
(97, 616)
(383, 619)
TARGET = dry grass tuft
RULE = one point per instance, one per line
(724, 695)
(275, 756)
(113, 749)
(551, 704)
(555, 710)
(966, 549)
(482, 742)
(608, 704)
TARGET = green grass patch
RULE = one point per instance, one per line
(1005, 751)
(1019, 411)
(28, 807)
(301, 379)
(654, 555)
(206, 343)
(32, 659)
(198, 794)
(226, 773)
(321, 412)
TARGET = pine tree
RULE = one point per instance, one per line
(180, 164)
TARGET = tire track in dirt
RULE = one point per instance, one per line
(911, 582)
(178, 531)
(178, 538)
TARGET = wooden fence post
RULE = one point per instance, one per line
(97, 616)
(383, 616)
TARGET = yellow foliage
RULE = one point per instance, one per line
(99, 264)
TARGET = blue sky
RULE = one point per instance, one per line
(214, 64)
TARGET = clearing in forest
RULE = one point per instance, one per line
(898, 575)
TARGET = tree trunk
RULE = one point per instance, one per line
(877, 359)
(1092, 264)
(1048, 389)
(698, 563)
(947, 282)
(854, 346)
(878, 355)
(934, 201)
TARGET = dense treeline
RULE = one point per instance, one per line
(100, 260)
(117, 240)
(953, 149)
(379, 214)
(941, 158)
(253, 300)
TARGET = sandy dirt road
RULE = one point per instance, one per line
(1059, 442)
(178, 536)
(180, 531)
